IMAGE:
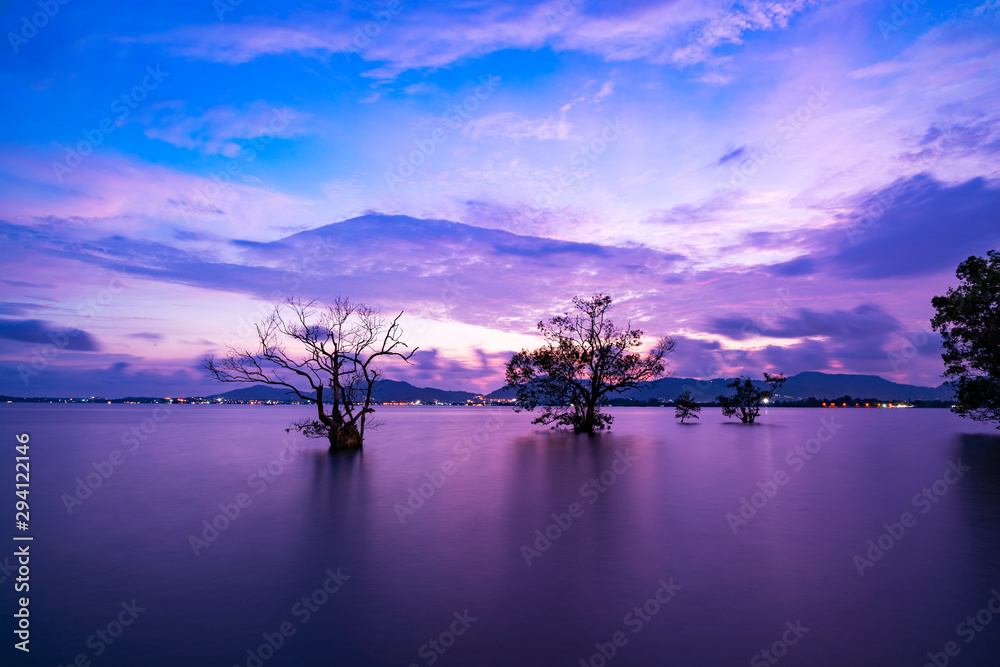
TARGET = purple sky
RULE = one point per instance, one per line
(781, 186)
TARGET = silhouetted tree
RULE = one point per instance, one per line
(686, 408)
(745, 403)
(585, 358)
(968, 318)
(334, 353)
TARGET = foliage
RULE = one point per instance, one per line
(585, 358)
(686, 408)
(334, 353)
(968, 318)
(748, 398)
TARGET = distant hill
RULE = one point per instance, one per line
(385, 390)
(825, 385)
(798, 387)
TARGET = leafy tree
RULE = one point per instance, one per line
(585, 358)
(747, 399)
(335, 350)
(686, 408)
(968, 318)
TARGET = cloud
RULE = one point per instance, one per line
(915, 227)
(436, 267)
(147, 335)
(483, 371)
(864, 322)
(15, 309)
(422, 88)
(861, 340)
(108, 194)
(802, 266)
(44, 332)
(508, 125)
(220, 129)
(117, 379)
(607, 89)
(732, 155)
(957, 137)
(682, 32)
(729, 26)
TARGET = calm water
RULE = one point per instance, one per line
(458, 563)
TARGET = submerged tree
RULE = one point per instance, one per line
(332, 362)
(968, 318)
(747, 400)
(686, 408)
(585, 358)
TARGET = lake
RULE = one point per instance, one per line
(467, 536)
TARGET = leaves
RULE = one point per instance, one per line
(747, 399)
(968, 318)
(585, 358)
(686, 408)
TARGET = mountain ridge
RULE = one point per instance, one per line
(809, 384)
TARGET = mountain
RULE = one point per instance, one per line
(386, 390)
(825, 385)
(395, 390)
(800, 386)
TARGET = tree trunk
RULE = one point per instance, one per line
(586, 425)
(344, 437)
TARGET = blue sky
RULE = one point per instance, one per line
(815, 169)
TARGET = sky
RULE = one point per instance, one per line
(779, 186)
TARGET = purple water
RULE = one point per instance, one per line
(455, 568)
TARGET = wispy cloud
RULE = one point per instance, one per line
(682, 32)
(220, 129)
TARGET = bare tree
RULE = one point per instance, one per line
(332, 363)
